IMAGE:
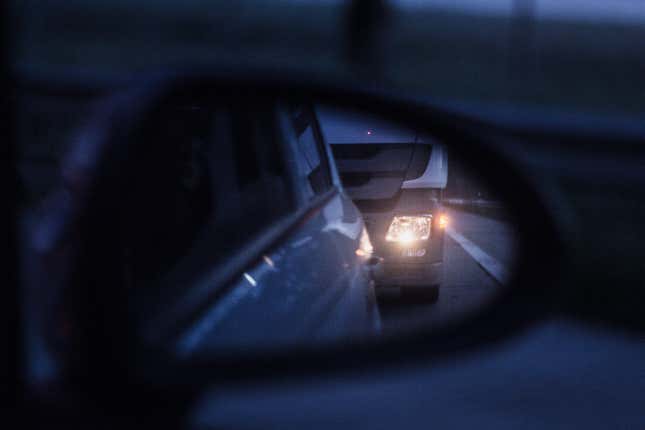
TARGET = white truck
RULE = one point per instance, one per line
(396, 178)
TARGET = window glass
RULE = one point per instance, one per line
(310, 154)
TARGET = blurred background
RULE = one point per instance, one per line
(523, 58)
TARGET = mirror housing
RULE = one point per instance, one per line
(111, 353)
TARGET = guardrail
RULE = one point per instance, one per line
(488, 208)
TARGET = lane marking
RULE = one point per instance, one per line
(493, 267)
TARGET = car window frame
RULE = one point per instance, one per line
(324, 153)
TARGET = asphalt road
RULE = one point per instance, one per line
(468, 281)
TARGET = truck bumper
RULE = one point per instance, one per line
(398, 274)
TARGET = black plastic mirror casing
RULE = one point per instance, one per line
(109, 354)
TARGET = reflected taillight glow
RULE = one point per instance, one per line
(365, 248)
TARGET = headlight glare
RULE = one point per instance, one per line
(408, 229)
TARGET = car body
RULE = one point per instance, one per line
(239, 209)
(396, 178)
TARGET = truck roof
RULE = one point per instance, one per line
(345, 127)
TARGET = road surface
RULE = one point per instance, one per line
(475, 249)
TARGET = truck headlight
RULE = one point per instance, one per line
(408, 229)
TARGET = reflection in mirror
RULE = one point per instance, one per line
(237, 236)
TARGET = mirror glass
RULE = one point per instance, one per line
(283, 224)
(273, 224)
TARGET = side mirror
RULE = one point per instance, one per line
(218, 227)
